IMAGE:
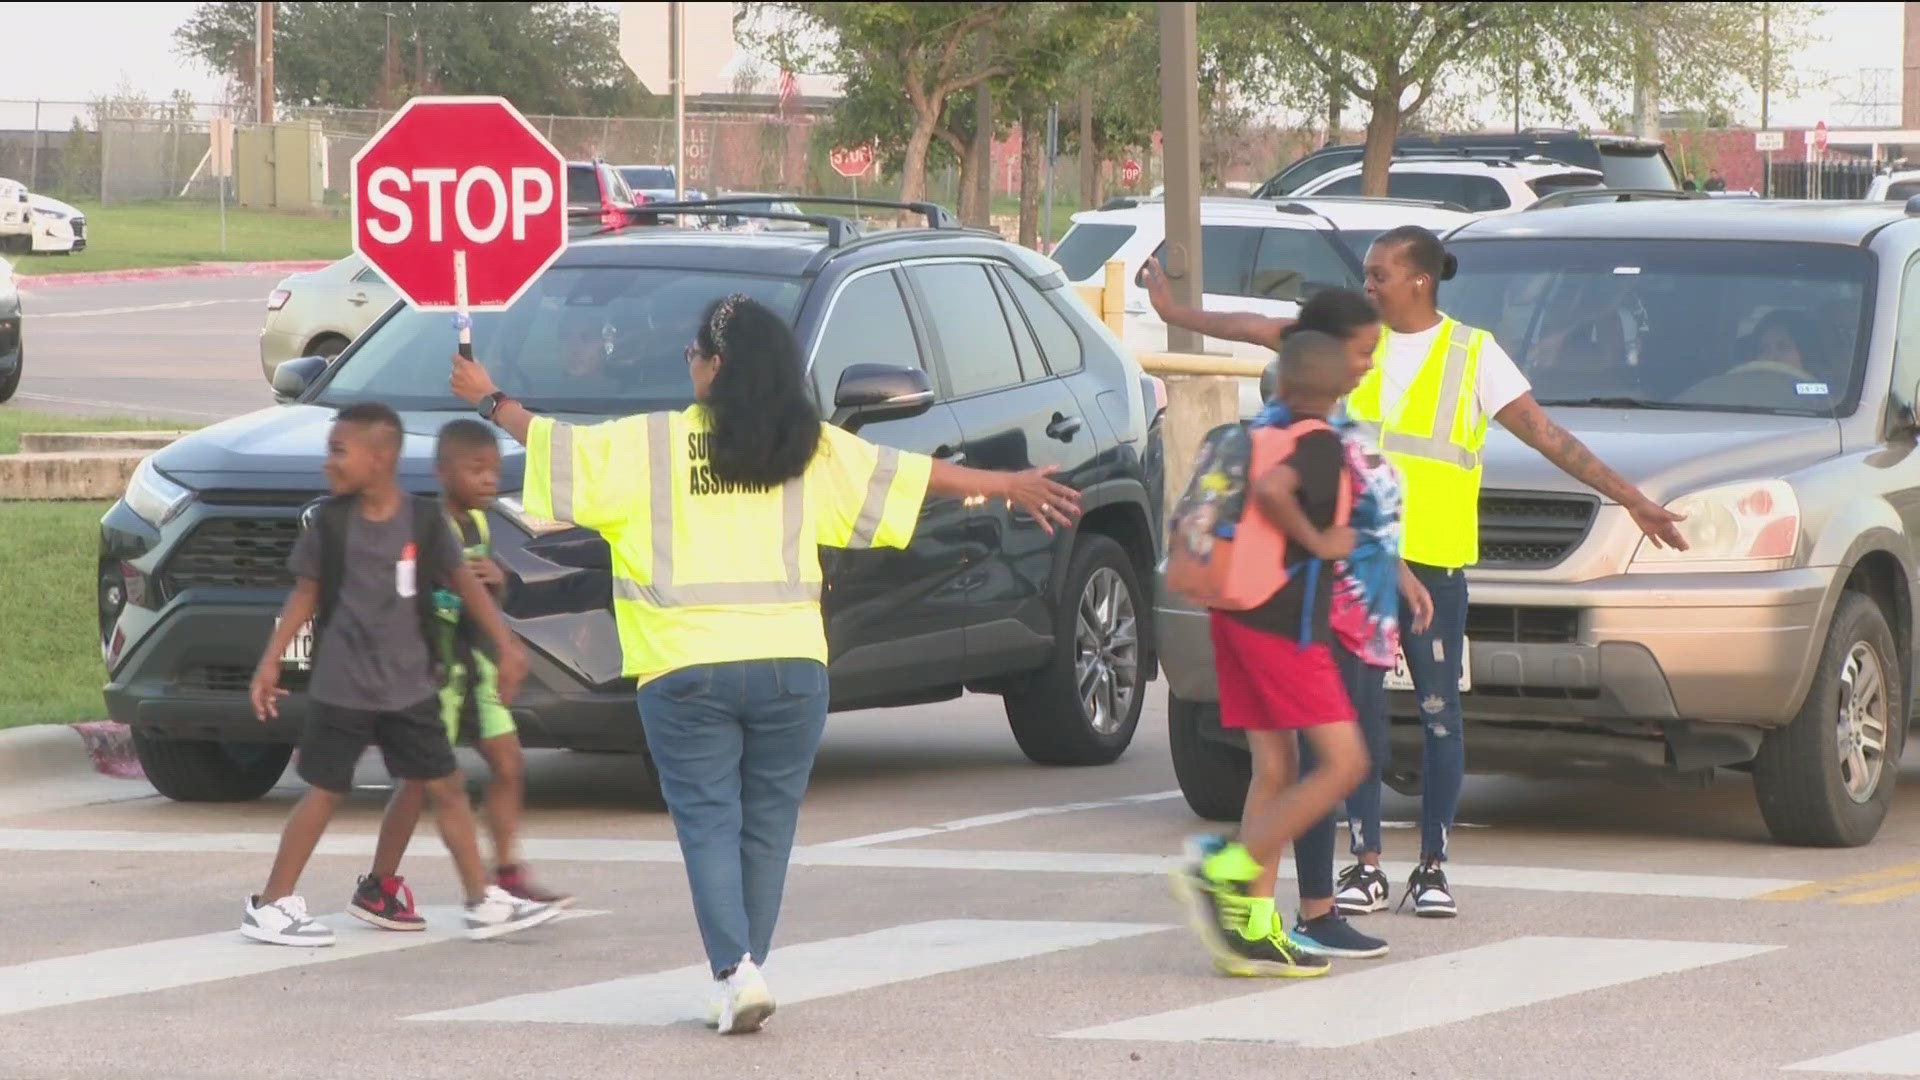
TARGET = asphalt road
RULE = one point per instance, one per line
(185, 348)
(953, 912)
(957, 912)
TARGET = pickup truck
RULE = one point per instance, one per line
(1754, 365)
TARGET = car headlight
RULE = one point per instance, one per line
(1756, 522)
(153, 496)
(514, 510)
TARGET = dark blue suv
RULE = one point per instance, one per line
(942, 340)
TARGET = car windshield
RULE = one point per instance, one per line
(598, 340)
(1087, 247)
(1734, 326)
(647, 177)
(1629, 168)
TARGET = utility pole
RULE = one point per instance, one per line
(263, 60)
(386, 69)
(1766, 89)
(677, 75)
(1180, 131)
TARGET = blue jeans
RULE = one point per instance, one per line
(734, 745)
(1434, 660)
(1313, 850)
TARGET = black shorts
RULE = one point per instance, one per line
(413, 741)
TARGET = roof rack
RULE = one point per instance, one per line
(937, 216)
(1380, 200)
(1570, 196)
(839, 229)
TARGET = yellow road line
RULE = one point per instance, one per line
(1841, 884)
(1881, 896)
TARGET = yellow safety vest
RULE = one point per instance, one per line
(1434, 437)
(707, 572)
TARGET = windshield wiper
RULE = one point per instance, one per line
(1619, 403)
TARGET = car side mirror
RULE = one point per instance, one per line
(292, 377)
(873, 392)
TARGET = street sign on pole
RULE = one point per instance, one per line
(851, 162)
(1129, 172)
(460, 204)
(1820, 136)
(1766, 142)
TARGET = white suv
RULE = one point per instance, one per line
(1480, 186)
(1260, 255)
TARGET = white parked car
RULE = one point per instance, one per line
(1894, 186)
(320, 312)
(1261, 256)
(1479, 186)
(16, 217)
(57, 227)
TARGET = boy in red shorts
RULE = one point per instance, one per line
(1278, 682)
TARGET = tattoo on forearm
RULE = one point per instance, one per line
(1559, 446)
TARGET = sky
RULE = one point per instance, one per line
(102, 45)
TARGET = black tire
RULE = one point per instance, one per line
(1051, 719)
(327, 345)
(1213, 775)
(11, 383)
(204, 770)
(1806, 798)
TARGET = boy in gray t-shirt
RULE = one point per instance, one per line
(365, 567)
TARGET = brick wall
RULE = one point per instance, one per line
(1910, 69)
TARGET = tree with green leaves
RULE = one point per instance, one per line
(553, 58)
(925, 53)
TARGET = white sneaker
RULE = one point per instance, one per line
(742, 1003)
(499, 912)
(283, 922)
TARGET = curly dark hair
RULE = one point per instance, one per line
(766, 426)
(1340, 312)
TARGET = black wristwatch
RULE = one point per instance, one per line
(490, 404)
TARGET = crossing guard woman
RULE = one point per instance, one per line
(715, 516)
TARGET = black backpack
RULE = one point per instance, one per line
(431, 537)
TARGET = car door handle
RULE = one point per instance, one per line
(357, 299)
(1064, 428)
(950, 454)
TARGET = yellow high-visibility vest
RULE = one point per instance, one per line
(708, 572)
(1434, 436)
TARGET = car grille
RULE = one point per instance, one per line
(235, 678)
(1530, 530)
(1511, 625)
(79, 225)
(234, 553)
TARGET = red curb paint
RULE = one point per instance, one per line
(35, 282)
(111, 746)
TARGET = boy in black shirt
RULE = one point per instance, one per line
(1278, 678)
(366, 566)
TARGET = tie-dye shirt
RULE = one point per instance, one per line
(1365, 612)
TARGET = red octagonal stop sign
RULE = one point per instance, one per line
(454, 175)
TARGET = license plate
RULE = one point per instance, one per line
(299, 652)
(1401, 679)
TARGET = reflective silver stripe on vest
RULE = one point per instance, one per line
(867, 525)
(663, 591)
(560, 470)
(1438, 444)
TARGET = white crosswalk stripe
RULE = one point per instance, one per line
(1899, 1056)
(206, 958)
(1374, 1003)
(806, 972)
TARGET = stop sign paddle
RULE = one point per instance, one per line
(460, 204)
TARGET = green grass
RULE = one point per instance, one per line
(17, 422)
(127, 236)
(50, 664)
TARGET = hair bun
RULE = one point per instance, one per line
(1449, 266)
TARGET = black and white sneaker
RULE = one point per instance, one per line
(1362, 890)
(284, 922)
(1428, 890)
(498, 913)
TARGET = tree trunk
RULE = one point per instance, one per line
(1033, 177)
(913, 163)
(1336, 105)
(983, 157)
(1383, 127)
(1089, 159)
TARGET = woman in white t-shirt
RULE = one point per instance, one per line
(1404, 268)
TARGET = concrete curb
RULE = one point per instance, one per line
(68, 442)
(68, 476)
(37, 282)
(48, 751)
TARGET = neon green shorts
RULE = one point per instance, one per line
(493, 718)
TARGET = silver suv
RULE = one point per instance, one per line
(1756, 366)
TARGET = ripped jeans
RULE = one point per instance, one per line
(1433, 659)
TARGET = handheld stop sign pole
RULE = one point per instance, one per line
(461, 205)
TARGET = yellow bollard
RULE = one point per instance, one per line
(1113, 299)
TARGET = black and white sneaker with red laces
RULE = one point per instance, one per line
(386, 903)
(1431, 896)
(1362, 890)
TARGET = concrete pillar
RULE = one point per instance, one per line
(1196, 404)
(1180, 131)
